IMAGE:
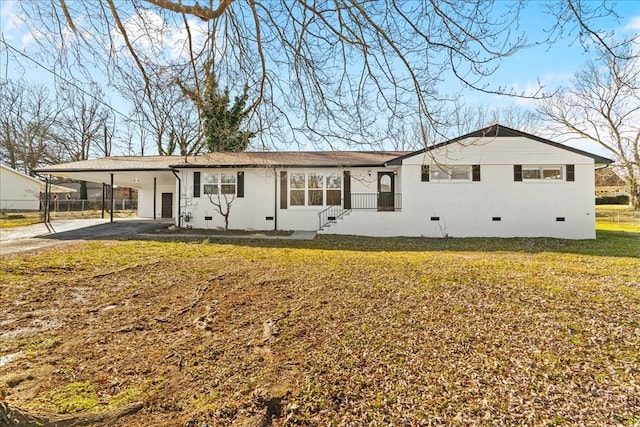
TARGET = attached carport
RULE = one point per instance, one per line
(150, 175)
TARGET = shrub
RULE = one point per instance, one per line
(613, 200)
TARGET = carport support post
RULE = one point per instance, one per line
(155, 185)
(111, 201)
(103, 200)
(45, 206)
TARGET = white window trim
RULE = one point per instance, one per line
(541, 168)
(306, 188)
(204, 181)
(434, 166)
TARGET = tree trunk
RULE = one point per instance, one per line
(633, 188)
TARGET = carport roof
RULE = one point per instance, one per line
(242, 159)
(116, 164)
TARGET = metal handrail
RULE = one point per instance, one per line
(370, 201)
(359, 201)
(331, 214)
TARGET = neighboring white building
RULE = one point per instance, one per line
(20, 192)
(495, 182)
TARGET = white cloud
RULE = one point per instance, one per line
(177, 40)
(152, 36)
(549, 82)
(634, 24)
(11, 21)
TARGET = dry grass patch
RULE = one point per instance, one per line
(338, 331)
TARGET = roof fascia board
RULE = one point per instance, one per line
(278, 166)
(104, 170)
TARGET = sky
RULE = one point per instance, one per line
(551, 66)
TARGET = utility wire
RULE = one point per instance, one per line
(69, 82)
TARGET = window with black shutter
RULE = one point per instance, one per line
(517, 172)
(571, 173)
(425, 173)
(196, 184)
(283, 190)
(240, 182)
(347, 189)
(475, 172)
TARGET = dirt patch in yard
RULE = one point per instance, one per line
(187, 334)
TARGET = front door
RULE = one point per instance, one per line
(167, 205)
(386, 189)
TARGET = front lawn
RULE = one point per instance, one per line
(334, 331)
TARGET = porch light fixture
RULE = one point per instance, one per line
(136, 180)
(369, 172)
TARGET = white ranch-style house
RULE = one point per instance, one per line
(495, 182)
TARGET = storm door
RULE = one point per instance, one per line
(386, 189)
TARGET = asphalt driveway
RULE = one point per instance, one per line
(19, 239)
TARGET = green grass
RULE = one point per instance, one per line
(388, 331)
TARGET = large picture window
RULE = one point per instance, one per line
(315, 189)
(219, 183)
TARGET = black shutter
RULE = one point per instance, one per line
(347, 189)
(517, 172)
(475, 173)
(425, 173)
(196, 184)
(283, 190)
(240, 183)
(571, 172)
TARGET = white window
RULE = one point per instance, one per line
(219, 183)
(315, 189)
(334, 189)
(449, 173)
(535, 172)
(297, 189)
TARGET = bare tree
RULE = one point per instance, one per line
(84, 119)
(464, 119)
(318, 72)
(28, 120)
(222, 204)
(603, 105)
(164, 114)
(345, 70)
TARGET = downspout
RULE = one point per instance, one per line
(179, 198)
(275, 199)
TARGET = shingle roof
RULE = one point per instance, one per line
(115, 163)
(242, 159)
(498, 131)
(291, 159)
